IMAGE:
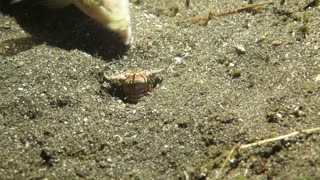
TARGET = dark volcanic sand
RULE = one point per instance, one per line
(240, 78)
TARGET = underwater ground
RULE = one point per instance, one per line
(236, 73)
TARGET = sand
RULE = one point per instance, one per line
(230, 80)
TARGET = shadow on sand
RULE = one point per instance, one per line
(67, 28)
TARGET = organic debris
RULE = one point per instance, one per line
(204, 18)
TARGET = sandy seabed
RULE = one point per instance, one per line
(230, 80)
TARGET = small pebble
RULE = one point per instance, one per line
(317, 78)
(276, 42)
(261, 38)
(240, 49)
(236, 73)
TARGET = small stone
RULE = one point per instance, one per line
(103, 164)
(261, 38)
(233, 71)
(80, 172)
(230, 65)
(236, 73)
(240, 49)
(317, 78)
(178, 60)
(276, 42)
